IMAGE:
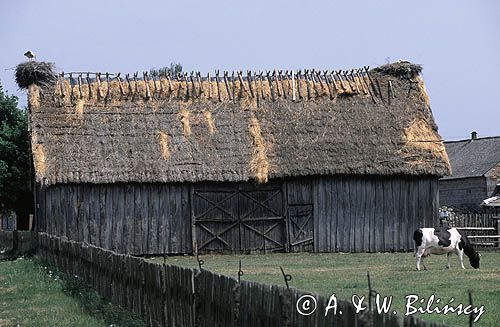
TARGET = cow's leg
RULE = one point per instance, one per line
(461, 258)
(449, 257)
(418, 254)
(423, 264)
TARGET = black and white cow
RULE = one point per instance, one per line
(440, 241)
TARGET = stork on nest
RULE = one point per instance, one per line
(30, 55)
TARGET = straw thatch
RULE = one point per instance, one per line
(35, 72)
(184, 131)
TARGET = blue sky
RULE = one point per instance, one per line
(457, 42)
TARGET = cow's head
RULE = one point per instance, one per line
(474, 260)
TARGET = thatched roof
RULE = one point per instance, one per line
(240, 128)
(473, 157)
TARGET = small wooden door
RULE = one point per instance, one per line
(300, 227)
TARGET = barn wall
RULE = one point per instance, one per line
(128, 218)
(465, 193)
(324, 214)
(368, 214)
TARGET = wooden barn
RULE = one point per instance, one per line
(280, 161)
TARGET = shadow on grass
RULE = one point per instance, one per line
(90, 300)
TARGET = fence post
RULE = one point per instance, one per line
(498, 231)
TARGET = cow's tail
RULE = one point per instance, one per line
(417, 237)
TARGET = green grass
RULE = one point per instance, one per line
(391, 274)
(32, 294)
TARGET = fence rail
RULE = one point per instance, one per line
(482, 228)
(167, 295)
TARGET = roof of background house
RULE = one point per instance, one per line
(234, 128)
(472, 157)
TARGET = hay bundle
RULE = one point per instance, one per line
(259, 164)
(210, 121)
(35, 72)
(165, 151)
(34, 97)
(184, 117)
(79, 108)
(39, 157)
(421, 135)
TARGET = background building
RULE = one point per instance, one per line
(475, 167)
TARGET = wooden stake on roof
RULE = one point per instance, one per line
(363, 79)
(226, 83)
(249, 80)
(306, 75)
(233, 87)
(89, 86)
(200, 84)
(155, 88)
(257, 95)
(276, 80)
(358, 77)
(209, 86)
(328, 84)
(334, 82)
(299, 92)
(71, 97)
(318, 75)
(187, 86)
(240, 78)
(389, 89)
(339, 76)
(280, 79)
(367, 68)
(80, 86)
(261, 80)
(193, 85)
(119, 80)
(136, 86)
(129, 85)
(170, 87)
(356, 87)
(161, 86)
(146, 81)
(98, 80)
(344, 73)
(108, 91)
(313, 73)
(268, 76)
(217, 82)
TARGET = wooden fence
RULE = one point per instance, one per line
(483, 229)
(16, 242)
(167, 295)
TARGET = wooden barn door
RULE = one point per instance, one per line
(300, 227)
(239, 218)
(262, 220)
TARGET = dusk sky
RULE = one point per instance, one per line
(457, 42)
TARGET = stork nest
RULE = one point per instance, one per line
(401, 69)
(35, 72)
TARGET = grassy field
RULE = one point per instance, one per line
(35, 295)
(391, 274)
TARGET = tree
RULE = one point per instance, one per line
(172, 70)
(15, 160)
